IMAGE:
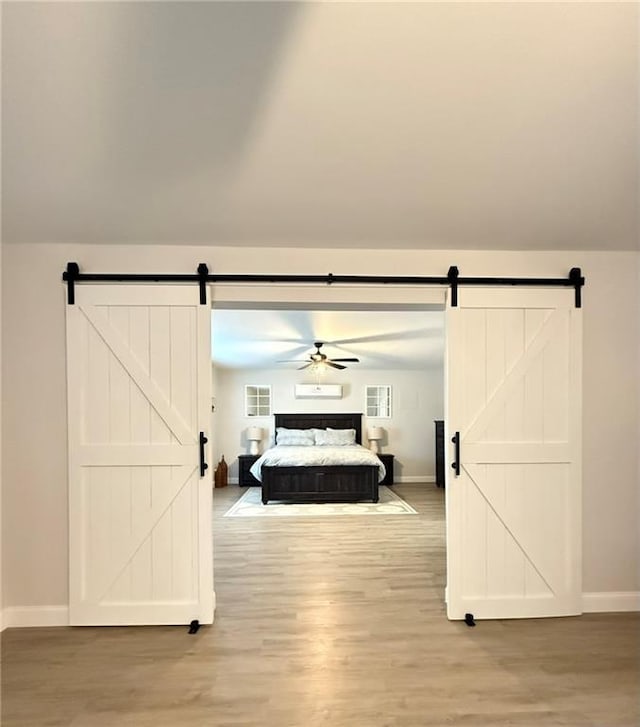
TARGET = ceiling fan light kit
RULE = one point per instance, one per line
(317, 359)
(318, 391)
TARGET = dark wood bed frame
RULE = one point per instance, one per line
(336, 483)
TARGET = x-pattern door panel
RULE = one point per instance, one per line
(140, 514)
(513, 514)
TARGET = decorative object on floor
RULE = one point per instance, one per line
(220, 476)
(250, 505)
(254, 436)
(374, 435)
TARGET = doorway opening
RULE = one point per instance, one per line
(260, 344)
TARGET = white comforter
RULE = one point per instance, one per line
(318, 456)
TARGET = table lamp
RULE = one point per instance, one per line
(374, 435)
(254, 435)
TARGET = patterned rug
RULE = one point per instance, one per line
(250, 505)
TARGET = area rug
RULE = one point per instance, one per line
(250, 505)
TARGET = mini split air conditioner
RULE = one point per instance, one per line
(318, 391)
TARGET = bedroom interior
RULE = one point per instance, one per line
(304, 138)
(400, 354)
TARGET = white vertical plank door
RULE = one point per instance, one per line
(139, 390)
(514, 361)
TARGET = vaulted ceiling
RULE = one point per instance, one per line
(417, 125)
(374, 125)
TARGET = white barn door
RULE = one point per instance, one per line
(514, 511)
(139, 381)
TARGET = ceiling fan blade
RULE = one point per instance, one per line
(291, 360)
(348, 360)
(306, 366)
(334, 365)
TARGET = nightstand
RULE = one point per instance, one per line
(387, 461)
(245, 478)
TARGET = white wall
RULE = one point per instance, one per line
(409, 433)
(34, 471)
(1, 401)
(637, 391)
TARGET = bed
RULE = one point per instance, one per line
(320, 482)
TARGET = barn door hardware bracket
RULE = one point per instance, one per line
(203, 274)
(468, 619)
(70, 275)
(194, 626)
(452, 279)
(577, 280)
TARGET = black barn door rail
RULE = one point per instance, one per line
(72, 275)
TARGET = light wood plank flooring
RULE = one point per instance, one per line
(328, 622)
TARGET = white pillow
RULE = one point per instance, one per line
(294, 437)
(348, 435)
(335, 437)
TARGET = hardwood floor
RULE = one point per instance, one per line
(328, 622)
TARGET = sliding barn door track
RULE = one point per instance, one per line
(452, 279)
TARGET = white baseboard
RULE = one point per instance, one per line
(34, 616)
(611, 601)
(232, 480)
(422, 479)
(23, 616)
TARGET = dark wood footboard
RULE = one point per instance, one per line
(344, 483)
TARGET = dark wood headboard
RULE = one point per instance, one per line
(337, 420)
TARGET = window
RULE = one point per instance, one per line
(257, 400)
(378, 401)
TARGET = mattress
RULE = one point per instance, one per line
(326, 456)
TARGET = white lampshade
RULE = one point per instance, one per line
(254, 435)
(374, 434)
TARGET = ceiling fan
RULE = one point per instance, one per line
(317, 357)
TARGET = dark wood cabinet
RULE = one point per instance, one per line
(387, 461)
(245, 478)
(439, 452)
